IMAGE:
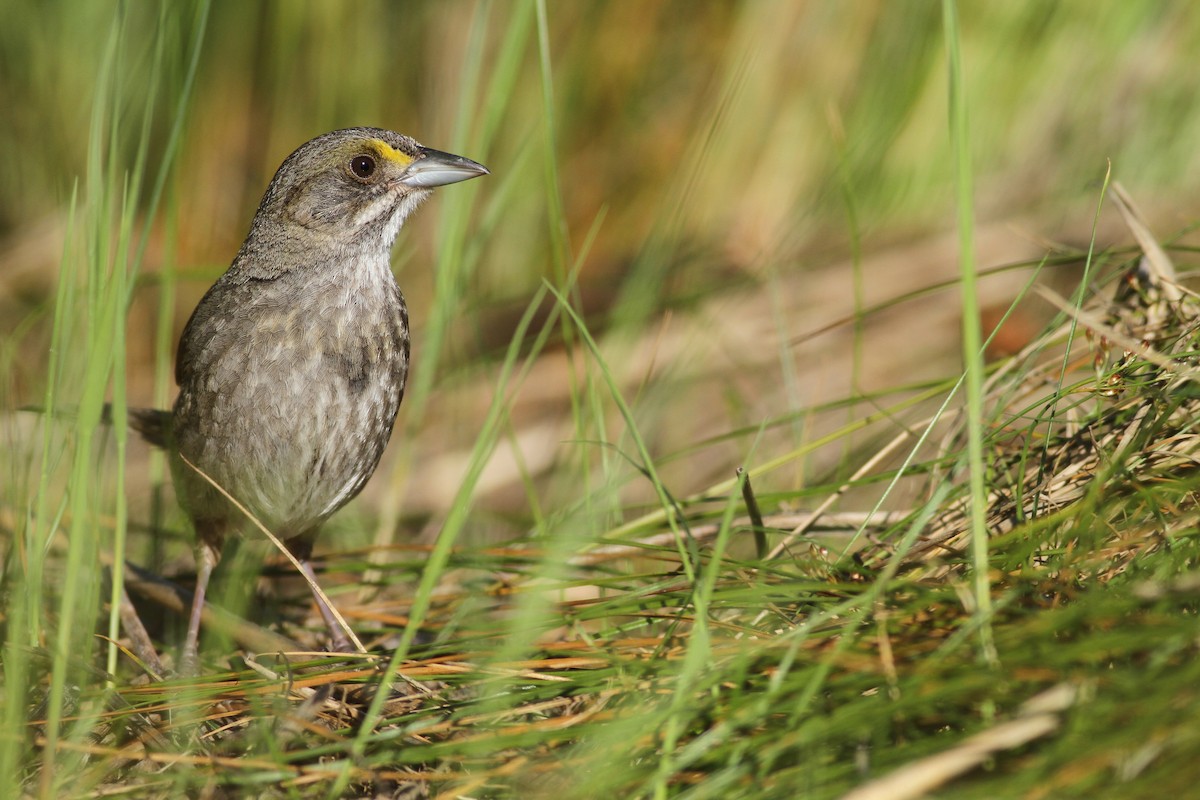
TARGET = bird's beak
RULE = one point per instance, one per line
(435, 168)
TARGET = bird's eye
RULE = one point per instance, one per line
(362, 166)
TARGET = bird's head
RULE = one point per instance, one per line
(356, 186)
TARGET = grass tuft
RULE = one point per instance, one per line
(563, 585)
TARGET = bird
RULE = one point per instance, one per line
(292, 367)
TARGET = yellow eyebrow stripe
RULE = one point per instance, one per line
(391, 153)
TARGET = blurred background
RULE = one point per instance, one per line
(750, 203)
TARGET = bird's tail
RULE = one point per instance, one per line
(153, 424)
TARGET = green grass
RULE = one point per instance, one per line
(556, 564)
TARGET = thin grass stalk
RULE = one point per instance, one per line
(971, 329)
(859, 309)
(163, 352)
(119, 285)
(559, 238)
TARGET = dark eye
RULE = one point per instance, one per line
(362, 166)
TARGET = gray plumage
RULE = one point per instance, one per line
(292, 367)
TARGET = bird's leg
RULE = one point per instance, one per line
(338, 641)
(301, 547)
(208, 554)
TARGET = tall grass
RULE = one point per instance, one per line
(600, 622)
(972, 339)
(76, 515)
